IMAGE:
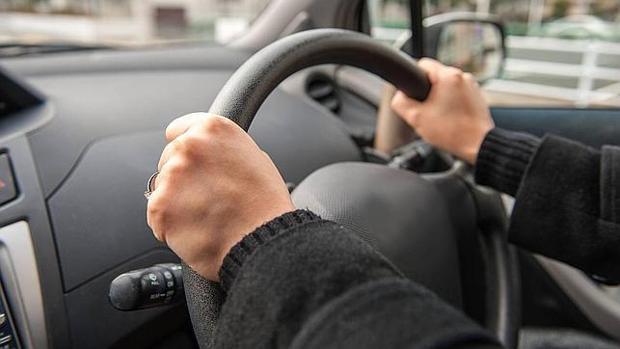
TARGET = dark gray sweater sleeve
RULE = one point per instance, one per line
(503, 159)
(567, 197)
(303, 282)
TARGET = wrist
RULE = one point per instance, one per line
(237, 255)
(470, 152)
(271, 213)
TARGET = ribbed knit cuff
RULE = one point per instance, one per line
(503, 159)
(244, 248)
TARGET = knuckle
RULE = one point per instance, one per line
(396, 103)
(191, 143)
(455, 73)
(176, 146)
(471, 80)
(176, 168)
(215, 124)
(189, 146)
(426, 62)
(157, 214)
(453, 76)
(170, 130)
(154, 209)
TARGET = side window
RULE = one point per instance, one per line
(562, 53)
(389, 19)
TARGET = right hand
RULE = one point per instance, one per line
(455, 117)
(215, 185)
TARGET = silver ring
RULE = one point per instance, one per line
(150, 185)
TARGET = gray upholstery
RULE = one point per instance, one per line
(536, 338)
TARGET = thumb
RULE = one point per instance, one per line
(407, 108)
(432, 68)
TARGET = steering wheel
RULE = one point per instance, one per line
(244, 93)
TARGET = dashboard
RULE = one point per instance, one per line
(73, 168)
(79, 161)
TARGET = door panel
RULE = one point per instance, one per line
(594, 127)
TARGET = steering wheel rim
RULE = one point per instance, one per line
(247, 89)
(249, 86)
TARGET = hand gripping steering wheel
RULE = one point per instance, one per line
(244, 93)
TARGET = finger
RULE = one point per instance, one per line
(159, 200)
(152, 207)
(401, 103)
(179, 125)
(431, 67)
(167, 153)
(407, 108)
(471, 79)
(452, 72)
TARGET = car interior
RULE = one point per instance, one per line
(81, 130)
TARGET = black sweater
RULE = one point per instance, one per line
(303, 282)
(567, 197)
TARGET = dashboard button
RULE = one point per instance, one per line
(7, 183)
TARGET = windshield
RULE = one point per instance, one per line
(124, 22)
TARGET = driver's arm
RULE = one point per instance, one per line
(567, 195)
(297, 280)
(303, 282)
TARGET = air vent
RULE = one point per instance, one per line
(15, 96)
(323, 90)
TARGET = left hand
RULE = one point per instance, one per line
(215, 186)
(455, 117)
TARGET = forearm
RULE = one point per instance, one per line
(391, 313)
(559, 209)
(304, 282)
(564, 204)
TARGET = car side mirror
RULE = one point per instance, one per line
(471, 42)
